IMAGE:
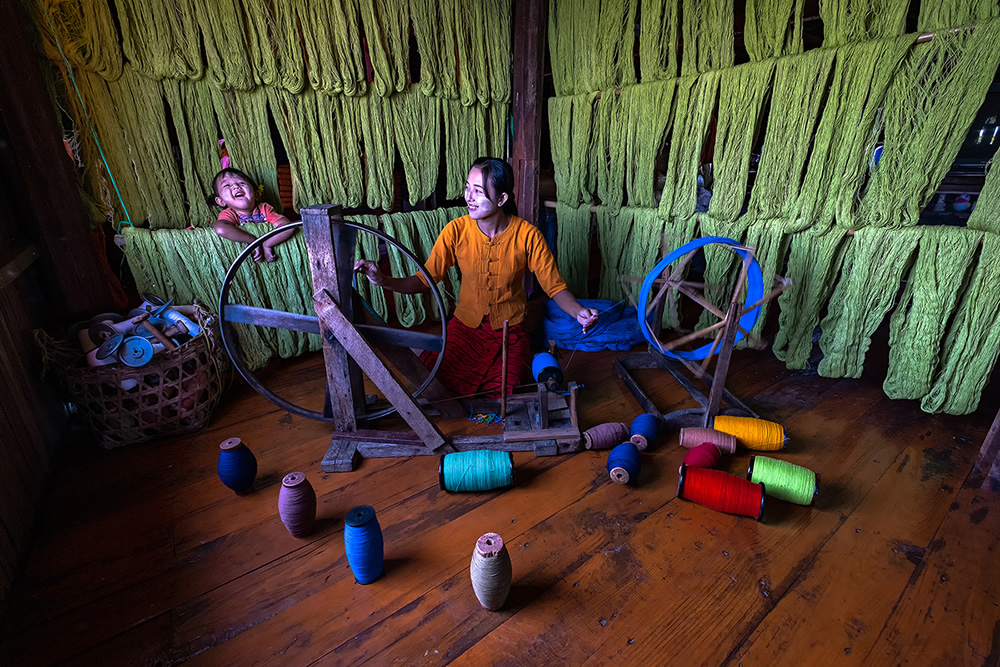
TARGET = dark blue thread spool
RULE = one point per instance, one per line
(545, 369)
(624, 463)
(237, 465)
(363, 544)
(643, 430)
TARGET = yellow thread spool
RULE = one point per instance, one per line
(757, 434)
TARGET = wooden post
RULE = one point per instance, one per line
(331, 258)
(528, 58)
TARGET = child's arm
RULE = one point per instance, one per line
(228, 230)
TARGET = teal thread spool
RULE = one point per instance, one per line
(478, 470)
(784, 480)
(545, 369)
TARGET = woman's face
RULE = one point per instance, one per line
(477, 198)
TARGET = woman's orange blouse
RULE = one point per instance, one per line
(493, 270)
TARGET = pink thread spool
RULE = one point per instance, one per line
(297, 504)
(693, 437)
(605, 436)
(705, 455)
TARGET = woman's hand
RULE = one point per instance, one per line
(587, 317)
(370, 270)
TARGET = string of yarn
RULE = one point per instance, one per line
(478, 470)
(721, 491)
(643, 430)
(624, 463)
(363, 544)
(705, 455)
(605, 436)
(691, 437)
(784, 480)
(491, 571)
(758, 434)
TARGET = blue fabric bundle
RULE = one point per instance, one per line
(617, 327)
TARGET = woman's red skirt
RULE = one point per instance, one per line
(473, 358)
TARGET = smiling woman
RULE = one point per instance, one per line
(492, 248)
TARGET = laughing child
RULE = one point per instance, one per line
(236, 193)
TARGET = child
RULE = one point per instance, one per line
(236, 193)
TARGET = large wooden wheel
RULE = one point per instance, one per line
(376, 331)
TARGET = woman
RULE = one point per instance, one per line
(492, 248)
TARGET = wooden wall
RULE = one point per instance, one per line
(51, 272)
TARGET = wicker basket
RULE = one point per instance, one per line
(174, 393)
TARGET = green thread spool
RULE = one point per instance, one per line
(478, 470)
(784, 480)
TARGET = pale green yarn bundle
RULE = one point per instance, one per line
(465, 140)
(773, 28)
(919, 322)
(928, 110)
(416, 120)
(161, 38)
(695, 104)
(298, 124)
(770, 244)
(846, 21)
(658, 35)
(814, 262)
(649, 111)
(986, 216)
(409, 307)
(591, 44)
(971, 346)
(630, 246)
(386, 28)
(340, 123)
(799, 86)
(227, 62)
(81, 28)
(872, 272)
(243, 119)
(195, 127)
(334, 55)
(380, 150)
(847, 133)
(573, 246)
(608, 154)
(289, 59)
(614, 226)
(707, 33)
(571, 128)
(741, 95)
(438, 67)
(943, 14)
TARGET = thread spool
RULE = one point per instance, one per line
(705, 455)
(545, 369)
(756, 434)
(135, 351)
(177, 318)
(624, 463)
(784, 480)
(297, 504)
(237, 465)
(605, 436)
(478, 470)
(721, 491)
(643, 430)
(491, 571)
(363, 544)
(692, 437)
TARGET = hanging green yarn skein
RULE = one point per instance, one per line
(847, 21)
(650, 113)
(773, 28)
(81, 31)
(695, 104)
(944, 14)
(658, 32)
(986, 216)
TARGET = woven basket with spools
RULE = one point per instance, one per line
(176, 392)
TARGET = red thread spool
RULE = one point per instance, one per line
(692, 437)
(605, 436)
(721, 491)
(705, 455)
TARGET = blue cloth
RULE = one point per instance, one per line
(617, 327)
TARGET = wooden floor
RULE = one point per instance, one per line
(145, 558)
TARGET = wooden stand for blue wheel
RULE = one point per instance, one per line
(543, 422)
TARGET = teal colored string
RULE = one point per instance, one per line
(479, 470)
(69, 70)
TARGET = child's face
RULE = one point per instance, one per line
(235, 192)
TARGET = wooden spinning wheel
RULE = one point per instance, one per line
(658, 294)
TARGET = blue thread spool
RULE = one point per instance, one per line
(479, 470)
(237, 465)
(175, 317)
(135, 351)
(624, 463)
(363, 544)
(545, 369)
(643, 431)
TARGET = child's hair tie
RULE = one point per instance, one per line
(260, 191)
